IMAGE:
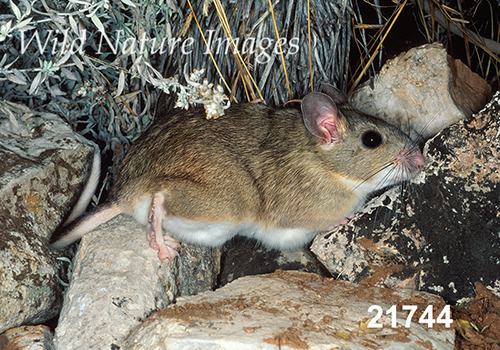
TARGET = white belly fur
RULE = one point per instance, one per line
(214, 234)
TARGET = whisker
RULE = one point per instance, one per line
(393, 172)
(413, 193)
(396, 206)
(385, 166)
(379, 186)
(426, 126)
(375, 218)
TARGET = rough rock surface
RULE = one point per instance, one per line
(43, 163)
(247, 257)
(290, 310)
(442, 233)
(27, 338)
(423, 91)
(118, 281)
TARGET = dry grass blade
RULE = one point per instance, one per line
(243, 71)
(491, 47)
(387, 28)
(311, 72)
(208, 47)
(485, 51)
(293, 46)
(281, 48)
(146, 51)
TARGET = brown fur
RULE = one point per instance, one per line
(260, 165)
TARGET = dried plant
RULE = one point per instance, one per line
(477, 25)
(442, 21)
(102, 65)
(85, 61)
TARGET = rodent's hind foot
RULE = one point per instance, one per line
(168, 250)
(165, 245)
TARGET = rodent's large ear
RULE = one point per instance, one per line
(322, 118)
(337, 96)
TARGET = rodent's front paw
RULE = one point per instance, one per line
(342, 222)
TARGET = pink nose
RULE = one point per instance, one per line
(411, 159)
(419, 160)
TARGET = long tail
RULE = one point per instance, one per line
(88, 190)
(84, 224)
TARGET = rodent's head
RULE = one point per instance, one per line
(367, 152)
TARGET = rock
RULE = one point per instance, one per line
(27, 338)
(118, 281)
(440, 235)
(245, 257)
(422, 91)
(289, 310)
(43, 164)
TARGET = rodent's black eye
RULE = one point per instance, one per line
(371, 139)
